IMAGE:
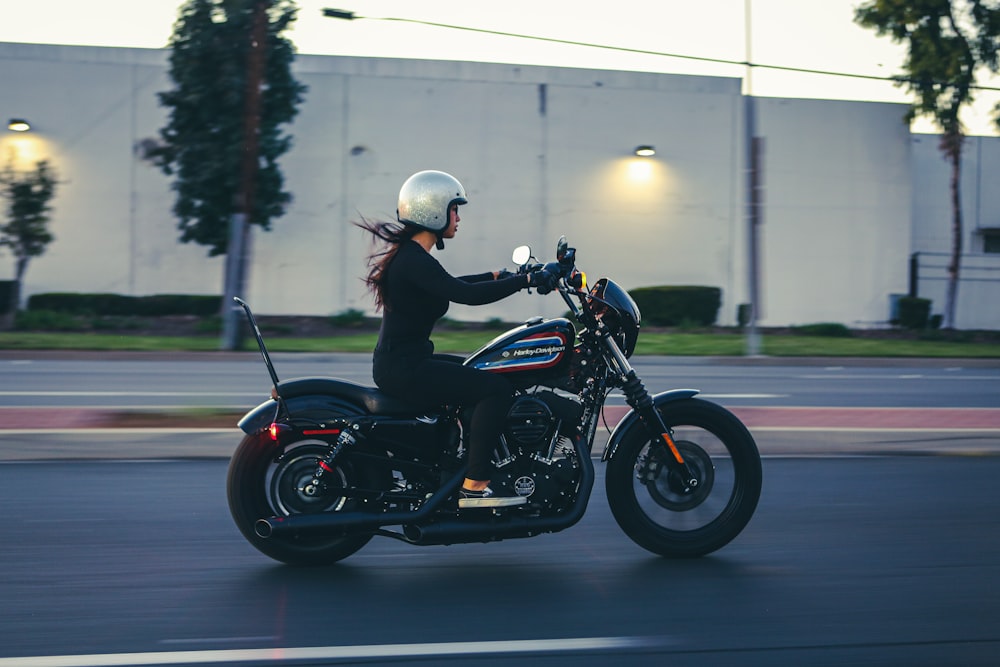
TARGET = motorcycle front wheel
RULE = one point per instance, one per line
(654, 507)
(265, 481)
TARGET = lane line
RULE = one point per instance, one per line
(429, 650)
(131, 393)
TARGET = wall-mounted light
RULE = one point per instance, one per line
(18, 125)
(645, 151)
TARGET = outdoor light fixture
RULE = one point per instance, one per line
(645, 151)
(18, 125)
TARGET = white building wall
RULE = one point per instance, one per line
(837, 210)
(978, 302)
(542, 151)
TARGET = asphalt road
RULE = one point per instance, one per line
(119, 541)
(848, 561)
(793, 406)
(240, 380)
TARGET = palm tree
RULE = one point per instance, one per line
(949, 42)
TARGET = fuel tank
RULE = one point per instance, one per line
(534, 352)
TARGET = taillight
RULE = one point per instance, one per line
(276, 429)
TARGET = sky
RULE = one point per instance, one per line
(808, 34)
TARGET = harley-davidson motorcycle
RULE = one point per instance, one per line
(328, 464)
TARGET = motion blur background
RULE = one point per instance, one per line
(851, 193)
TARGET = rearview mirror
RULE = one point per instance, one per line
(521, 255)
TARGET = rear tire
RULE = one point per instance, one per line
(260, 485)
(651, 507)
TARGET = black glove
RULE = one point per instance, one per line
(503, 273)
(544, 281)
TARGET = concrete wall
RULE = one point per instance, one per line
(978, 304)
(837, 210)
(542, 151)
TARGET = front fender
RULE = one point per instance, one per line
(632, 418)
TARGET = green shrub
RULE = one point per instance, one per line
(121, 305)
(277, 329)
(114, 323)
(352, 317)
(179, 304)
(211, 324)
(46, 320)
(914, 312)
(672, 305)
(828, 329)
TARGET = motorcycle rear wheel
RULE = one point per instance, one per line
(649, 502)
(261, 483)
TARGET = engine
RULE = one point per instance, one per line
(536, 457)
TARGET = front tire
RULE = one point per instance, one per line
(261, 483)
(653, 508)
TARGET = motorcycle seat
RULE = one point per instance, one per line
(373, 399)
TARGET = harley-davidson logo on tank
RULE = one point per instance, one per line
(541, 350)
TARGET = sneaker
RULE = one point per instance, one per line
(486, 498)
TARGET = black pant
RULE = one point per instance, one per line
(441, 379)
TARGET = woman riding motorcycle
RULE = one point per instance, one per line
(413, 291)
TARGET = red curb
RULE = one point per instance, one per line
(13, 418)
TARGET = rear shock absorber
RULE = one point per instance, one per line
(325, 465)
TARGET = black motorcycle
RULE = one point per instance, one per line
(327, 464)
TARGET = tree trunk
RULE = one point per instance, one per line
(7, 319)
(236, 273)
(953, 149)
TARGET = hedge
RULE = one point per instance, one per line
(673, 305)
(119, 304)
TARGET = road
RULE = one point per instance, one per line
(119, 542)
(239, 380)
(49, 402)
(887, 561)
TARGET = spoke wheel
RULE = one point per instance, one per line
(652, 503)
(264, 481)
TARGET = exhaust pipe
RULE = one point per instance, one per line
(456, 531)
(335, 522)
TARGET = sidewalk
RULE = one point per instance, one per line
(94, 433)
(807, 418)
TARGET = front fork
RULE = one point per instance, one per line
(642, 403)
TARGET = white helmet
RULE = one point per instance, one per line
(425, 198)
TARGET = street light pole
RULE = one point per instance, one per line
(754, 146)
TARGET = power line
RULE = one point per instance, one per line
(348, 15)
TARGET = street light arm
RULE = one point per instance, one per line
(339, 14)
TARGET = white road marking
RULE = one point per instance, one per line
(132, 393)
(220, 640)
(514, 647)
(895, 376)
(621, 397)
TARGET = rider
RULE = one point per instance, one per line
(413, 291)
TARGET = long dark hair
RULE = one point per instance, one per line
(387, 237)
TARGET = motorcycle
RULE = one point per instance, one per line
(326, 464)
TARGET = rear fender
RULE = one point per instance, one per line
(315, 407)
(631, 419)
